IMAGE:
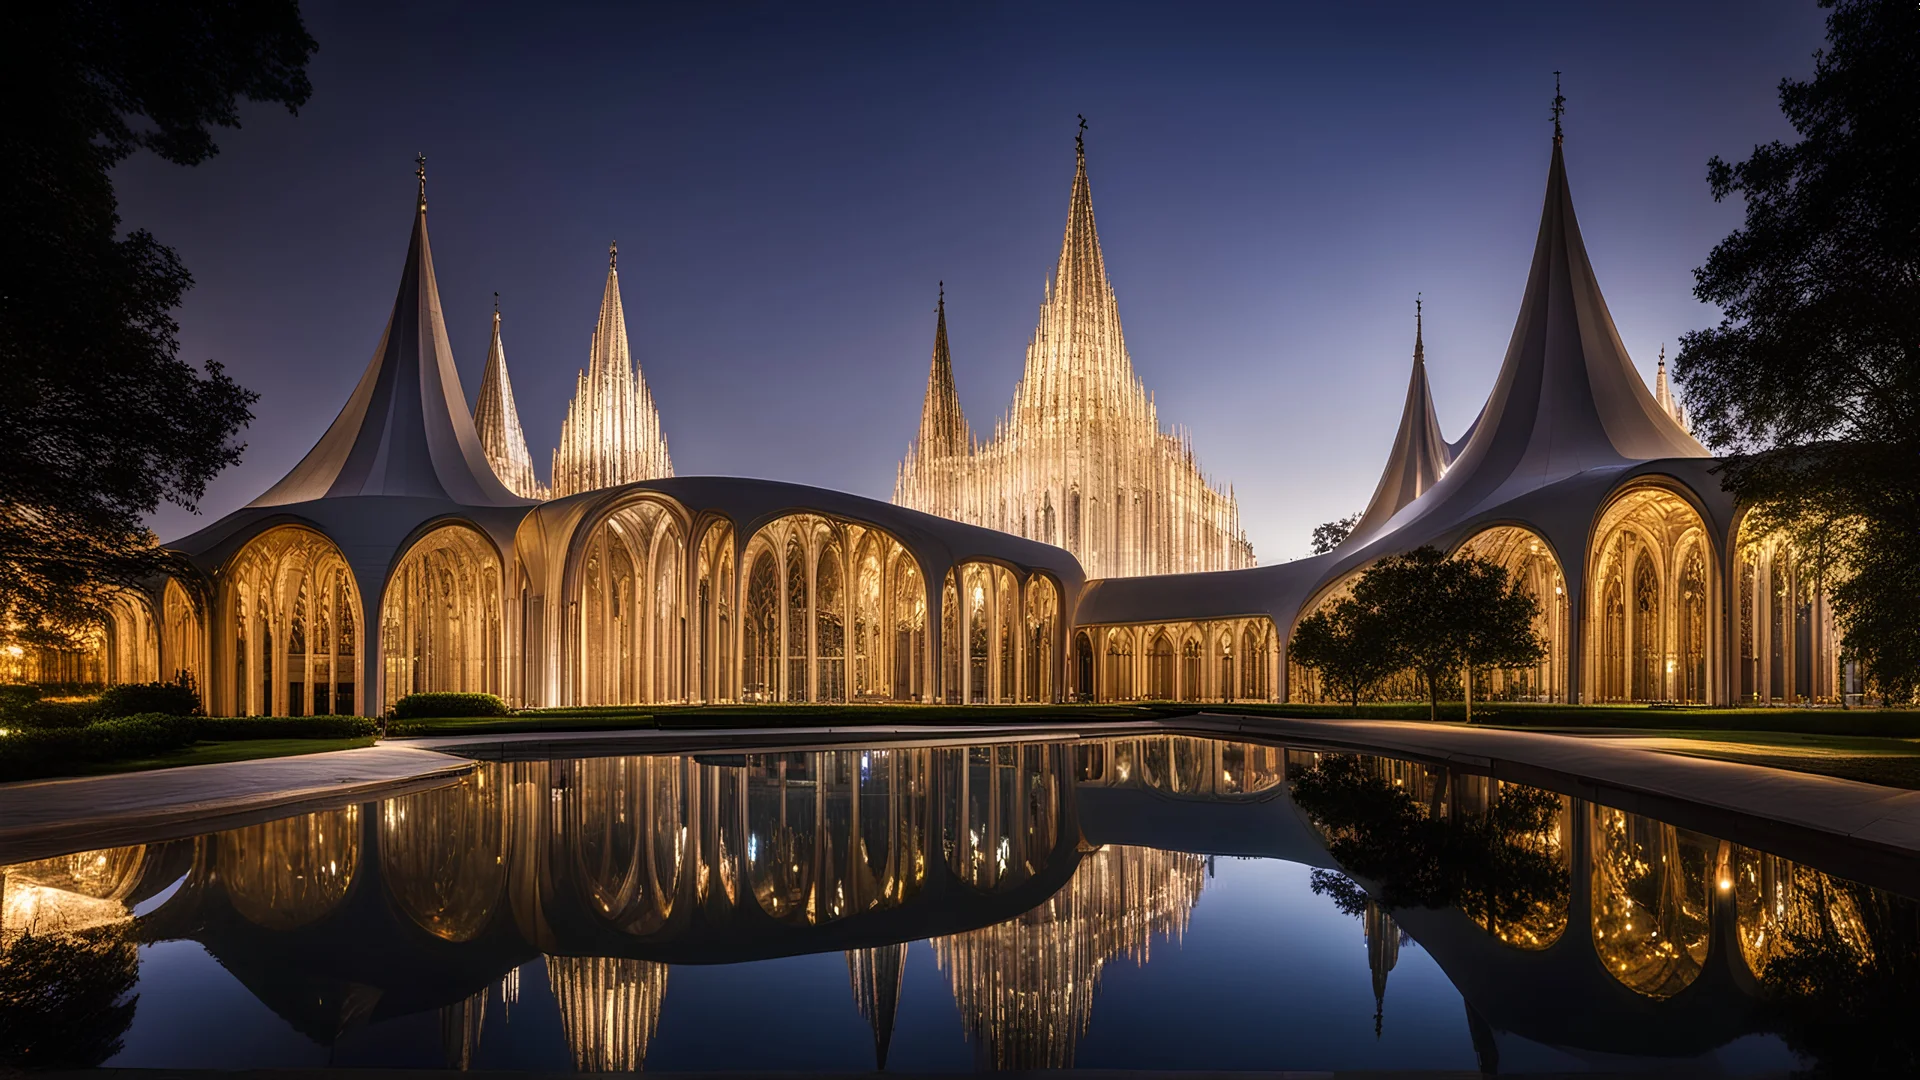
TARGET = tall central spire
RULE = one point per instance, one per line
(936, 463)
(611, 435)
(1079, 459)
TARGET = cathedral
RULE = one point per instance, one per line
(1079, 460)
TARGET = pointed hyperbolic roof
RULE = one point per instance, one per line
(405, 430)
(943, 427)
(611, 435)
(498, 421)
(1420, 453)
(1568, 398)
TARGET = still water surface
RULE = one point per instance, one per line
(1159, 903)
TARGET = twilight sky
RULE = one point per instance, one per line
(1272, 184)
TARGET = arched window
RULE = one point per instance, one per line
(952, 647)
(1648, 637)
(1160, 668)
(909, 630)
(978, 598)
(798, 610)
(760, 631)
(1226, 666)
(1120, 665)
(263, 585)
(1693, 627)
(1613, 640)
(1190, 668)
(1006, 636)
(1043, 607)
(869, 647)
(829, 624)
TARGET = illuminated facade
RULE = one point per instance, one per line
(1079, 459)
(408, 550)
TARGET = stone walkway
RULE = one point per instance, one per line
(48, 817)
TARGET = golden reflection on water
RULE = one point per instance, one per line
(284, 874)
(444, 853)
(646, 846)
(1652, 900)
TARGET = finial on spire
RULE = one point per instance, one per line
(420, 173)
(1419, 341)
(1559, 107)
(496, 303)
(1663, 356)
(613, 255)
(1080, 140)
(943, 296)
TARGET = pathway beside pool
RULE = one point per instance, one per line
(39, 818)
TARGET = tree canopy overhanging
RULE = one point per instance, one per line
(1811, 381)
(102, 421)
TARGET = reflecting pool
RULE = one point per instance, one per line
(1163, 902)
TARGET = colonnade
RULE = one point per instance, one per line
(1206, 660)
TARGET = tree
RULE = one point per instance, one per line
(101, 421)
(1352, 646)
(1811, 381)
(1451, 615)
(1332, 534)
(66, 999)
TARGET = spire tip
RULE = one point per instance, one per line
(1559, 107)
(1080, 139)
(613, 255)
(420, 173)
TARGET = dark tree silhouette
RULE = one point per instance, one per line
(100, 421)
(1811, 382)
(1332, 534)
(64, 998)
(1351, 645)
(1451, 615)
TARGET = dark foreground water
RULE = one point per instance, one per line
(1155, 903)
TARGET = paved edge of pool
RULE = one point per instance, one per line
(39, 818)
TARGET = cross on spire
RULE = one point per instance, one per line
(613, 255)
(1559, 107)
(420, 173)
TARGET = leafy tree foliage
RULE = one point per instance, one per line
(66, 999)
(1451, 615)
(1351, 645)
(1332, 534)
(101, 421)
(1487, 865)
(1811, 382)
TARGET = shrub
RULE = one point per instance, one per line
(30, 752)
(417, 706)
(285, 727)
(127, 699)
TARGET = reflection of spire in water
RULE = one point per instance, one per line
(1383, 951)
(509, 993)
(609, 1008)
(460, 1026)
(876, 977)
(1025, 987)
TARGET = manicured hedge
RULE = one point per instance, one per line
(133, 699)
(29, 753)
(417, 706)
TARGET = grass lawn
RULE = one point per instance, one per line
(213, 752)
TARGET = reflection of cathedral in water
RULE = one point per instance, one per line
(1022, 863)
(1025, 987)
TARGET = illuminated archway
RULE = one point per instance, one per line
(183, 637)
(1786, 642)
(440, 619)
(1530, 562)
(1651, 586)
(630, 587)
(1043, 614)
(289, 613)
(833, 611)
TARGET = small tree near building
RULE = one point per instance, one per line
(1351, 647)
(1451, 616)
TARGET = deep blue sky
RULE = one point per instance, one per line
(1273, 183)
